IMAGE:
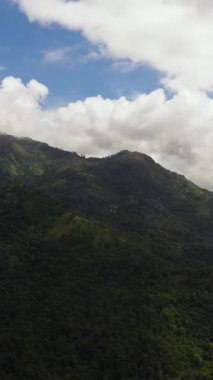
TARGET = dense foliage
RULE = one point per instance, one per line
(106, 268)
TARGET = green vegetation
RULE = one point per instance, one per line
(106, 268)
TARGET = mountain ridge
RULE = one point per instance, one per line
(106, 268)
(127, 190)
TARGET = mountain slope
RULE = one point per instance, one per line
(27, 158)
(80, 301)
(106, 268)
(128, 190)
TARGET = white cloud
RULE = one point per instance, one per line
(58, 55)
(172, 36)
(123, 66)
(177, 132)
(71, 55)
(92, 55)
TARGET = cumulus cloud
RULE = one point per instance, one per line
(173, 36)
(177, 132)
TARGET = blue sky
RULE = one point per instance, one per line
(23, 46)
(150, 61)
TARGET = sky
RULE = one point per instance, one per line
(99, 76)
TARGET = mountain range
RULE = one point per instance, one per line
(106, 268)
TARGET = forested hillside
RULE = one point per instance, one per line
(106, 268)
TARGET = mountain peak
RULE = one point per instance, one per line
(132, 155)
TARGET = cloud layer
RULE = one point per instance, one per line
(177, 132)
(173, 36)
